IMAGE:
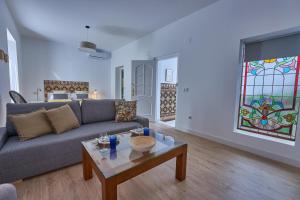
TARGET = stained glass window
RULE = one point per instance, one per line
(269, 100)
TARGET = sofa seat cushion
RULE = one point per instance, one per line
(32, 157)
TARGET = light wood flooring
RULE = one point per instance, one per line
(214, 172)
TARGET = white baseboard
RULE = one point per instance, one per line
(264, 154)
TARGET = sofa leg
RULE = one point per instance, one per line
(18, 181)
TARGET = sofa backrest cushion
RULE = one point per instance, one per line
(98, 110)
(29, 107)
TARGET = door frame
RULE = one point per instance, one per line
(118, 80)
(157, 101)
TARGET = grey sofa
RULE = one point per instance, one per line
(8, 192)
(23, 159)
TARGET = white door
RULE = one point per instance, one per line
(143, 87)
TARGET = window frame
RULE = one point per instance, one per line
(236, 130)
(13, 62)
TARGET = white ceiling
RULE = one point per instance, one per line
(114, 23)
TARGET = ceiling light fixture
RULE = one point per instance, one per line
(87, 46)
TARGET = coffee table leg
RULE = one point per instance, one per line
(181, 165)
(87, 166)
(109, 190)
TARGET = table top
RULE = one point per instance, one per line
(114, 161)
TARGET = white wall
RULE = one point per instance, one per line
(6, 21)
(46, 60)
(208, 44)
(162, 65)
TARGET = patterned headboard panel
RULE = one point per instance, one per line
(67, 86)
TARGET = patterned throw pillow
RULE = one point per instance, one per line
(125, 111)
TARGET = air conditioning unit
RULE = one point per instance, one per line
(100, 54)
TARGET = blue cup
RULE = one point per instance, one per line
(113, 154)
(113, 141)
(146, 131)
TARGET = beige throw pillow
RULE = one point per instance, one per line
(62, 119)
(125, 111)
(31, 125)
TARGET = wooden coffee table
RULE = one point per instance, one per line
(116, 166)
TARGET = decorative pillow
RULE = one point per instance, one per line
(125, 111)
(31, 125)
(62, 119)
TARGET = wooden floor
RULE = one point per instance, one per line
(214, 172)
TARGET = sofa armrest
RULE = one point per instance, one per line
(3, 136)
(8, 192)
(143, 121)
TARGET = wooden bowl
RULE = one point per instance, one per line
(142, 143)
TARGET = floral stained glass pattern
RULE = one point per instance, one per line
(269, 100)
